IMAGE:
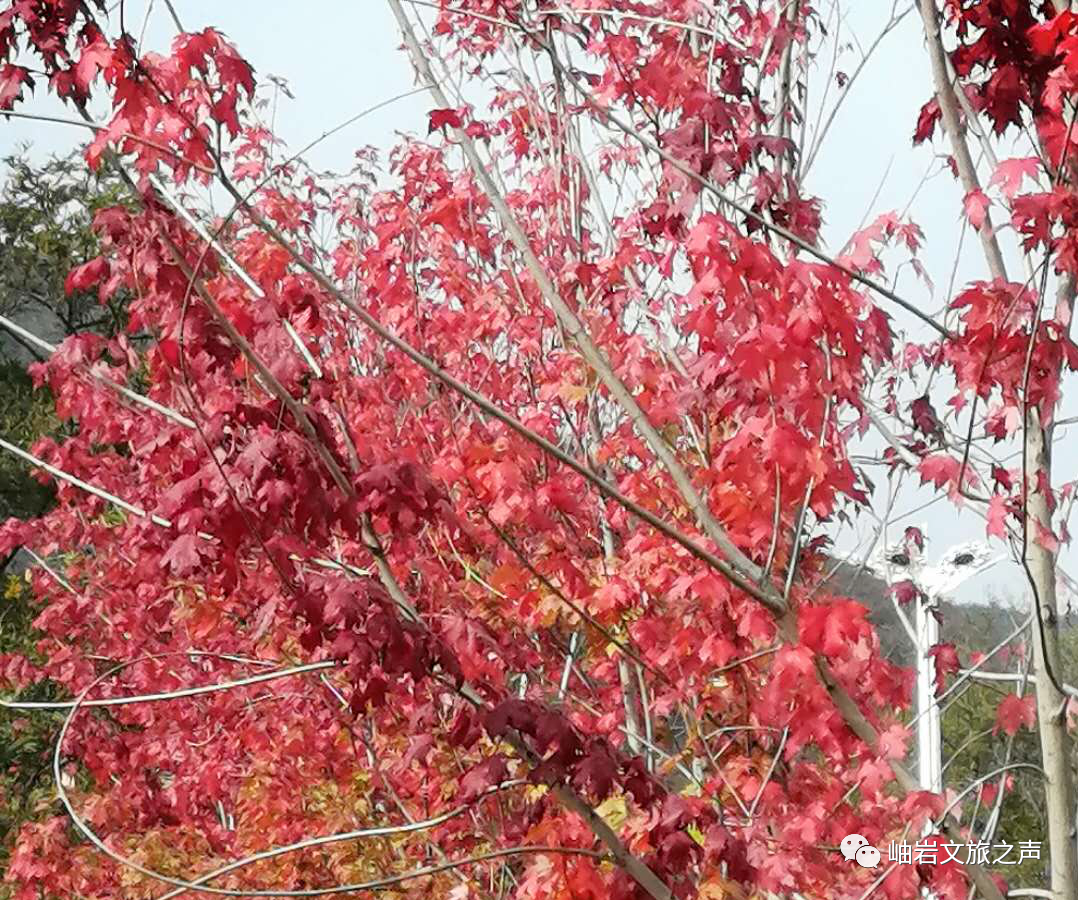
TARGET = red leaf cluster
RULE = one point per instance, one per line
(488, 628)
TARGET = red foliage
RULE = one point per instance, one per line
(1016, 712)
(362, 513)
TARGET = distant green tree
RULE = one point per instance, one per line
(25, 415)
(26, 739)
(974, 746)
(46, 211)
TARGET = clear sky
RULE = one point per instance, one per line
(342, 58)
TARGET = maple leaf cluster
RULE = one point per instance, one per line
(1017, 64)
(487, 628)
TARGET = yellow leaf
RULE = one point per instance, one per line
(573, 393)
(692, 789)
(535, 792)
(712, 890)
(718, 888)
(613, 811)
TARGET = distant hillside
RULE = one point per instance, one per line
(970, 627)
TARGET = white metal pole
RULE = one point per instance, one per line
(902, 562)
(929, 731)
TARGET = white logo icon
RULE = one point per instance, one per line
(868, 857)
(851, 844)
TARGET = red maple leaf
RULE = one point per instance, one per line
(1014, 713)
(913, 536)
(1002, 477)
(946, 658)
(894, 741)
(832, 628)
(939, 468)
(906, 591)
(1003, 94)
(1010, 174)
(485, 775)
(12, 81)
(1044, 37)
(926, 121)
(976, 205)
(925, 419)
(92, 60)
(442, 118)
(87, 275)
(997, 516)
(183, 555)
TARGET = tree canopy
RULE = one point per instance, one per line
(457, 527)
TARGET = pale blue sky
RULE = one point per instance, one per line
(342, 58)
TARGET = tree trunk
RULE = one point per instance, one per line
(1040, 565)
